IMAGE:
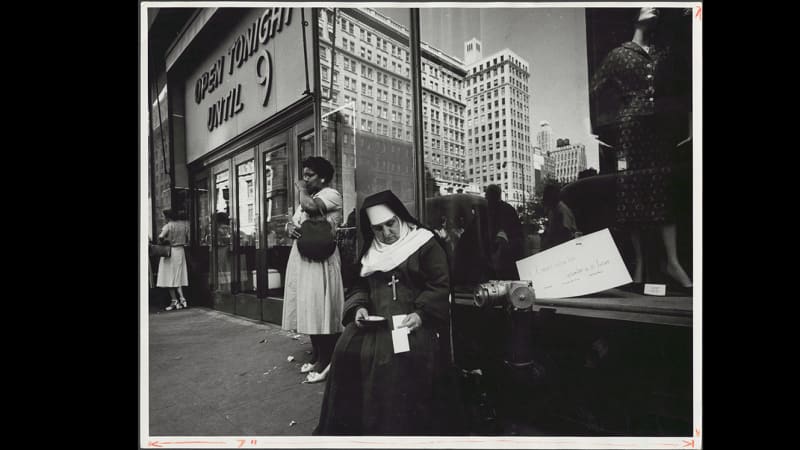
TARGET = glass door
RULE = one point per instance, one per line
(222, 233)
(246, 223)
(276, 214)
(200, 283)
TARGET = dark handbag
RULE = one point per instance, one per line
(316, 241)
(160, 250)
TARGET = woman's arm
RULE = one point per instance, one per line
(164, 232)
(312, 206)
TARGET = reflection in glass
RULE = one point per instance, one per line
(203, 216)
(201, 258)
(276, 216)
(224, 249)
(306, 146)
(245, 176)
(366, 125)
(478, 72)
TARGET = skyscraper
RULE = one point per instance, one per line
(476, 114)
(498, 115)
(544, 138)
(373, 52)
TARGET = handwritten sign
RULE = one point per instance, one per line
(582, 266)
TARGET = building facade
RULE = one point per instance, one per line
(498, 122)
(463, 114)
(545, 141)
(239, 97)
(569, 160)
(369, 53)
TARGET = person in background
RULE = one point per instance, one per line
(173, 273)
(224, 250)
(651, 113)
(561, 226)
(314, 295)
(404, 283)
(505, 235)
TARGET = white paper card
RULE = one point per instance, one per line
(655, 289)
(584, 265)
(400, 340)
(397, 320)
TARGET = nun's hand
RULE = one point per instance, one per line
(361, 314)
(412, 321)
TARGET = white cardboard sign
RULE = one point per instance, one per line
(582, 266)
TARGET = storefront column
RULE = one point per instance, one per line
(416, 90)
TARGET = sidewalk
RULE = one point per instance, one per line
(210, 375)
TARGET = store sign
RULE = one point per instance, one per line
(233, 88)
(240, 51)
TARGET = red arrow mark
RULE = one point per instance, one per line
(160, 444)
(689, 443)
(699, 13)
(697, 432)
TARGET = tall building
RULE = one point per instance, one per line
(476, 112)
(372, 71)
(545, 146)
(539, 167)
(569, 160)
(544, 137)
(549, 166)
(498, 116)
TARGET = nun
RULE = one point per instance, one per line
(385, 365)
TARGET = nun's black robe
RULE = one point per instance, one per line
(370, 389)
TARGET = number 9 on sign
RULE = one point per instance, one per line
(264, 73)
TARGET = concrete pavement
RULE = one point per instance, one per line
(211, 375)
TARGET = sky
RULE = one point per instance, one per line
(551, 40)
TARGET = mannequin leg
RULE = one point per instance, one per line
(674, 268)
(638, 268)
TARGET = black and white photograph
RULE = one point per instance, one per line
(428, 225)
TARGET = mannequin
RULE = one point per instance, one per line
(650, 113)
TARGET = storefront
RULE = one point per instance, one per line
(242, 114)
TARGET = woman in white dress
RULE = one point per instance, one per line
(314, 295)
(173, 273)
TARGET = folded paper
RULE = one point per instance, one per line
(400, 340)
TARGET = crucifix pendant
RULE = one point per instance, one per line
(394, 289)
